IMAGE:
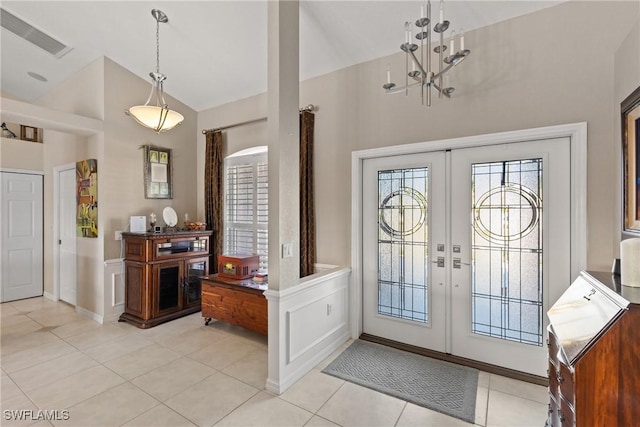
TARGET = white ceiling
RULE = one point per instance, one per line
(214, 52)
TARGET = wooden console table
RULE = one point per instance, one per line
(162, 275)
(594, 354)
(239, 302)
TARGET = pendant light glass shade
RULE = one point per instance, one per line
(157, 117)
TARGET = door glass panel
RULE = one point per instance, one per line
(506, 250)
(403, 243)
(195, 273)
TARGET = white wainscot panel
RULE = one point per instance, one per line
(114, 289)
(310, 323)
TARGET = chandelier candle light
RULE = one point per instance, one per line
(157, 117)
(421, 68)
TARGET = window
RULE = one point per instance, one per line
(246, 204)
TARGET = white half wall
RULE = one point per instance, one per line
(307, 322)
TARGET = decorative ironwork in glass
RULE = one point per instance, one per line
(403, 244)
(506, 251)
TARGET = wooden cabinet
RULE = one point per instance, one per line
(594, 354)
(240, 302)
(163, 274)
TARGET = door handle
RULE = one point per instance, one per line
(439, 261)
(457, 263)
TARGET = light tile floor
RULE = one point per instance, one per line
(183, 373)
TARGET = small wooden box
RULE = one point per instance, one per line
(238, 266)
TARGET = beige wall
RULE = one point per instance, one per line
(82, 94)
(122, 183)
(120, 165)
(60, 149)
(17, 154)
(542, 69)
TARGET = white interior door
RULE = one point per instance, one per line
(473, 237)
(21, 217)
(67, 235)
(403, 205)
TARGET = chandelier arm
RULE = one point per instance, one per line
(440, 72)
(444, 71)
(153, 89)
(440, 90)
(401, 89)
(161, 94)
(162, 118)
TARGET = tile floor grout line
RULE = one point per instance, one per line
(400, 414)
(332, 394)
(236, 408)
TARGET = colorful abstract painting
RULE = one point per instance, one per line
(87, 198)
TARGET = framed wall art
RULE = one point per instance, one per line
(157, 173)
(29, 133)
(87, 198)
(630, 109)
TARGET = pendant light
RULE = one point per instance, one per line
(157, 117)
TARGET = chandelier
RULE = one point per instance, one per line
(421, 74)
(157, 117)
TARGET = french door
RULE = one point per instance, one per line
(460, 249)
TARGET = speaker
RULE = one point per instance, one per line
(138, 224)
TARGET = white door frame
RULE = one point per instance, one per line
(56, 227)
(577, 132)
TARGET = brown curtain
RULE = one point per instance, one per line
(307, 206)
(213, 193)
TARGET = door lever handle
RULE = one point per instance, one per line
(457, 263)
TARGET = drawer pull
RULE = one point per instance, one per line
(560, 377)
(561, 417)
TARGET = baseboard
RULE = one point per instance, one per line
(295, 375)
(48, 295)
(113, 317)
(90, 314)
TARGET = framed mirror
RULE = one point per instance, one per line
(630, 109)
(157, 173)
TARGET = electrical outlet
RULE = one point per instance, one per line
(118, 235)
(329, 308)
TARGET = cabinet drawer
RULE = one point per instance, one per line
(565, 380)
(566, 414)
(136, 250)
(553, 379)
(180, 247)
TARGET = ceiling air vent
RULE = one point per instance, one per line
(32, 34)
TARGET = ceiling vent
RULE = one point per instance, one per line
(32, 34)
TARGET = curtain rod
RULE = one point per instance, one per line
(310, 108)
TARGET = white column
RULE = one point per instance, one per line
(284, 187)
(283, 138)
